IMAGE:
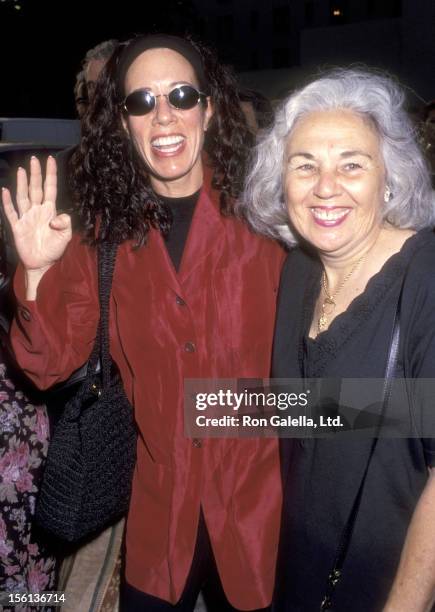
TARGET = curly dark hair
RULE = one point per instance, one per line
(108, 178)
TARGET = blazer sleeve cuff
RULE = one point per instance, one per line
(28, 309)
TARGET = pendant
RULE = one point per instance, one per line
(323, 321)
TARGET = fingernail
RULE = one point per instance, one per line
(33, 157)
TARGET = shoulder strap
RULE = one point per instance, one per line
(346, 535)
(106, 253)
(106, 265)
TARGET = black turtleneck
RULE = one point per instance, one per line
(182, 210)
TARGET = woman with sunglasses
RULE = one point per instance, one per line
(158, 170)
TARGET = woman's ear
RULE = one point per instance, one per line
(125, 125)
(208, 113)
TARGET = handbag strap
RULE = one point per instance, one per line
(106, 264)
(106, 253)
(346, 535)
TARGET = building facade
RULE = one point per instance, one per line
(397, 35)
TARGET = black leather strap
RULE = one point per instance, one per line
(100, 355)
(346, 535)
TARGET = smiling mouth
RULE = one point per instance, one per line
(329, 216)
(168, 144)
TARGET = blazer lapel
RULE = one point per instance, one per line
(206, 233)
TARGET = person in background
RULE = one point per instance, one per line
(160, 165)
(4, 173)
(257, 109)
(341, 178)
(80, 95)
(429, 113)
(92, 65)
(27, 562)
(429, 136)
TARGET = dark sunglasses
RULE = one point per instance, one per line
(143, 101)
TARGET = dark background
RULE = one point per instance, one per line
(42, 45)
(42, 42)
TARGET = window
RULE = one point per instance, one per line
(281, 20)
(384, 9)
(254, 21)
(309, 13)
(337, 12)
(280, 58)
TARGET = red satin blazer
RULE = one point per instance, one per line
(214, 318)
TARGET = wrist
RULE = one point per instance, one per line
(32, 279)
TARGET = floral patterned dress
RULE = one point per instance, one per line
(25, 563)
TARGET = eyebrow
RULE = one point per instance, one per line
(300, 154)
(343, 155)
(175, 83)
(346, 154)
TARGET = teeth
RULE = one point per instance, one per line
(329, 215)
(166, 141)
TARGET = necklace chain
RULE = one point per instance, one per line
(330, 297)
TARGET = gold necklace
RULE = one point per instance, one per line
(330, 298)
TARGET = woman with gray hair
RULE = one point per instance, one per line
(341, 176)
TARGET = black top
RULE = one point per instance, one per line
(182, 210)
(321, 476)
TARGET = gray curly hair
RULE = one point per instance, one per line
(372, 95)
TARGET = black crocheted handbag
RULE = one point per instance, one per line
(87, 479)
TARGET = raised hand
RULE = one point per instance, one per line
(41, 236)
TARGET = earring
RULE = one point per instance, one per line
(387, 194)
